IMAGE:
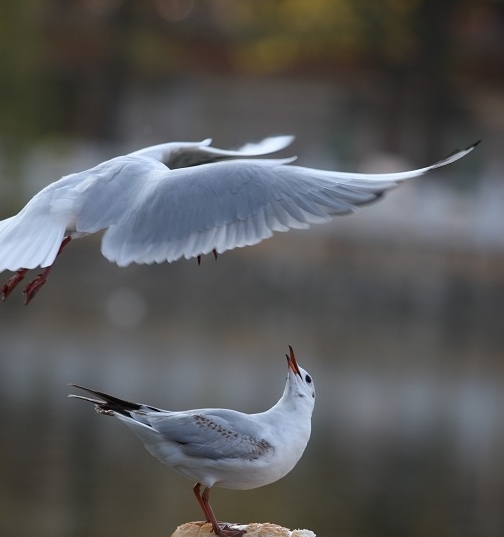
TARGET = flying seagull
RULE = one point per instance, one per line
(182, 199)
(223, 448)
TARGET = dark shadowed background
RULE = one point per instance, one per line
(398, 311)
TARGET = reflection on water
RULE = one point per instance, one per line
(405, 346)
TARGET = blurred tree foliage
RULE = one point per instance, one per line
(24, 86)
(294, 32)
(65, 65)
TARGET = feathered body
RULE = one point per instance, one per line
(150, 213)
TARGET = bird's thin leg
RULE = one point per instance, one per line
(222, 529)
(196, 490)
(11, 283)
(215, 254)
(34, 287)
(205, 503)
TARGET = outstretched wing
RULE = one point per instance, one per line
(164, 215)
(186, 154)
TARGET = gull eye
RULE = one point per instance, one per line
(308, 379)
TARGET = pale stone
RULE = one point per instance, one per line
(201, 529)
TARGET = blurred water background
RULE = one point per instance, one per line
(397, 311)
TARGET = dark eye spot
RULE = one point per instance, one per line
(308, 379)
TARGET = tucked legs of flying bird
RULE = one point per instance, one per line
(221, 529)
(214, 251)
(12, 283)
(33, 287)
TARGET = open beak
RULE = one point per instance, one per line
(291, 362)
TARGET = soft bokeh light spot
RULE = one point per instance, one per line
(404, 6)
(301, 16)
(103, 7)
(174, 10)
(269, 55)
(125, 308)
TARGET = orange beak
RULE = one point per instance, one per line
(291, 362)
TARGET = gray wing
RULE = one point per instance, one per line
(185, 154)
(211, 435)
(164, 215)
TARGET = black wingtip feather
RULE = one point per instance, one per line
(110, 402)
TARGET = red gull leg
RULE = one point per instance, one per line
(196, 490)
(11, 284)
(222, 529)
(34, 287)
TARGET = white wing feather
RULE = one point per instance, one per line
(225, 205)
(152, 214)
(30, 239)
(185, 154)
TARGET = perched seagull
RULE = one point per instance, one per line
(224, 448)
(182, 199)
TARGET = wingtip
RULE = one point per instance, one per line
(454, 156)
(472, 146)
(287, 138)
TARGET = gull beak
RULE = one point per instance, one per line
(291, 362)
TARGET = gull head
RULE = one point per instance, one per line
(300, 387)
